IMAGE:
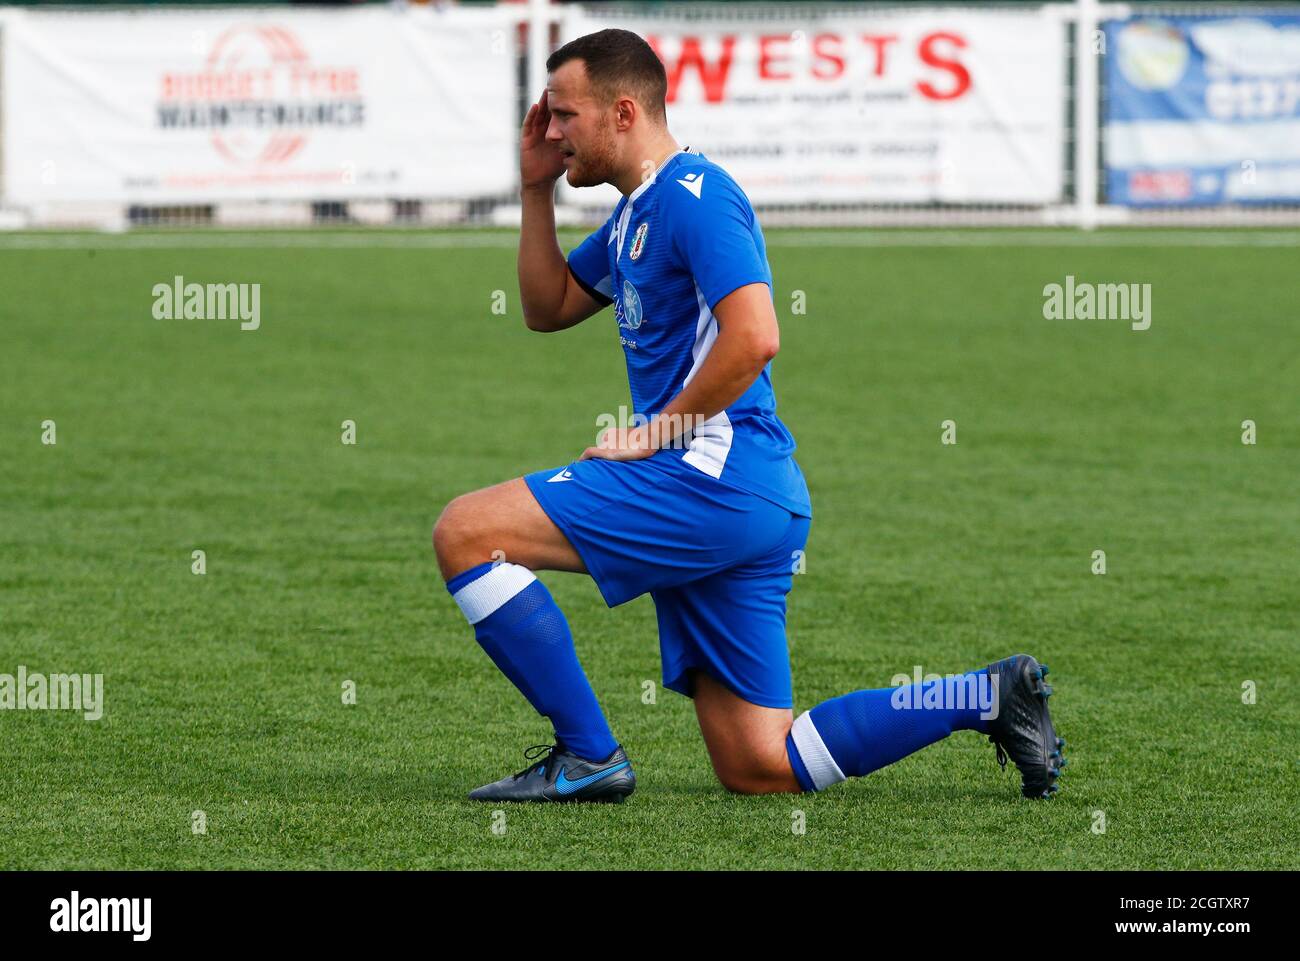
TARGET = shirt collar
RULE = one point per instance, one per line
(660, 169)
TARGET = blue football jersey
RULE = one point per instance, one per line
(678, 244)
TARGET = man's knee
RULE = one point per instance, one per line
(755, 775)
(454, 535)
(504, 522)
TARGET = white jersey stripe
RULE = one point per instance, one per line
(711, 442)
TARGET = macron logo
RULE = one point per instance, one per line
(563, 475)
(693, 183)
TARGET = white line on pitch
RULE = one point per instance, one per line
(776, 238)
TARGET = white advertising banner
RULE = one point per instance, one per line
(168, 107)
(908, 106)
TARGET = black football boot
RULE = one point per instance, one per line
(1023, 727)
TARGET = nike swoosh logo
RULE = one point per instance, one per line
(565, 786)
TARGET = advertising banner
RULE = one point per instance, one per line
(174, 107)
(1203, 110)
(910, 106)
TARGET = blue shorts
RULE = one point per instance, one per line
(717, 560)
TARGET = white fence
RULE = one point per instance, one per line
(874, 114)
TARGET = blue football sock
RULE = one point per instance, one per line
(855, 734)
(521, 628)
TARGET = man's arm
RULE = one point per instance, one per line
(551, 298)
(748, 337)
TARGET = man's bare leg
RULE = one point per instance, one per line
(502, 522)
(746, 742)
(489, 543)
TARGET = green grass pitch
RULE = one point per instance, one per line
(224, 691)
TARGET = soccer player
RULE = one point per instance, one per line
(702, 505)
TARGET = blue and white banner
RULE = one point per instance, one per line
(1203, 110)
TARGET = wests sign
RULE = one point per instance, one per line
(825, 57)
(914, 106)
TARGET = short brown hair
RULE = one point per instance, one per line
(618, 61)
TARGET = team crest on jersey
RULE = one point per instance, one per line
(631, 307)
(638, 241)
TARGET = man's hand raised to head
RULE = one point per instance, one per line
(551, 298)
(540, 162)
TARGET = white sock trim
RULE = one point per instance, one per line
(813, 752)
(481, 598)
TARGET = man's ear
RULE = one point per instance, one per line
(626, 110)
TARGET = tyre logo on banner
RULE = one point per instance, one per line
(260, 95)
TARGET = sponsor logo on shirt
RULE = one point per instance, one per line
(638, 241)
(631, 307)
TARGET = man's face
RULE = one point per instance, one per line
(581, 127)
